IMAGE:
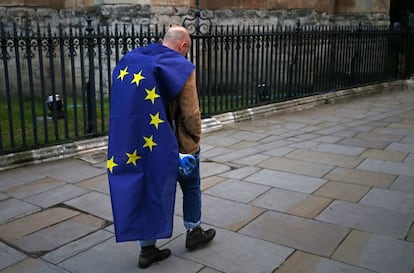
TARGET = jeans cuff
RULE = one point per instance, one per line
(191, 225)
(144, 243)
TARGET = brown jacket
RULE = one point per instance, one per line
(184, 113)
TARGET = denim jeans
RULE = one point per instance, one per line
(190, 186)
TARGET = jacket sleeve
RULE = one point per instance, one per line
(188, 119)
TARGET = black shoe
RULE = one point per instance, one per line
(197, 237)
(151, 254)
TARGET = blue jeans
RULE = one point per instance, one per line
(190, 186)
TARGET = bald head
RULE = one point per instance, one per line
(178, 39)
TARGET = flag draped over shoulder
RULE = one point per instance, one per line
(142, 150)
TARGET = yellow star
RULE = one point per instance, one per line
(137, 78)
(149, 142)
(155, 120)
(132, 158)
(151, 95)
(110, 164)
(123, 73)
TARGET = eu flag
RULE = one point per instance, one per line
(142, 148)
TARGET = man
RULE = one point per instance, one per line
(154, 117)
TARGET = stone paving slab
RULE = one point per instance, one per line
(93, 158)
(361, 177)
(232, 253)
(408, 140)
(309, 207)
(249, 136)
(296, 232)
(342, 191)
(340, 149)
(31, 265)
(410, 235)
(309, 145)
(403, 184)
(382, 166)
(328, 139)
(13, 208)
(409, 158)
(288, 181)
(303, 137)
(222, 141)
(234, 155)
(9, 256)
(295, 203)
(383, 137)
(367, 218)
(364, 143)
(95, 203)
(214, 151)
(50, 238)
(3, 196)
(208, 270)
(325, 158)
(393, 131)
(240, 173)
(56, 196)
(384, 155)
(211, 168)
(402, 147)
(33, 188)
(16, 177)
(252, 160)
(34, 222)
(331, 129)
(273, 145)
(301, 262)
(223, 213)
(281, 151)
(279, 199)
(98, 183)
(70, 171)
(211, 181)
(244, 144)
(379, 253)
(296, 166)
(236, 190)
(110, 257)
(397, 201)
(70, 250)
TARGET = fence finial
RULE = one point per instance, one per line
(298, 26)
(197, 21)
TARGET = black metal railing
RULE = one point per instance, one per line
(55, 82)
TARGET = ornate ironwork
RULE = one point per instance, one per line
(197, 21)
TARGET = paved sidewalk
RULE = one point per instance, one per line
(324, 190)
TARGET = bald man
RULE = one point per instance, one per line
(156, 81)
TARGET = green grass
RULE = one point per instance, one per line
(40, 130)
(37, 129)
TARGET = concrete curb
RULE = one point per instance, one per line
(214, 123)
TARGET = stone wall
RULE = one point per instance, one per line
(231, 12)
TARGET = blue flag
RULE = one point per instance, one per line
(142, 148)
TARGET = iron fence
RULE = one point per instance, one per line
(55, 82)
